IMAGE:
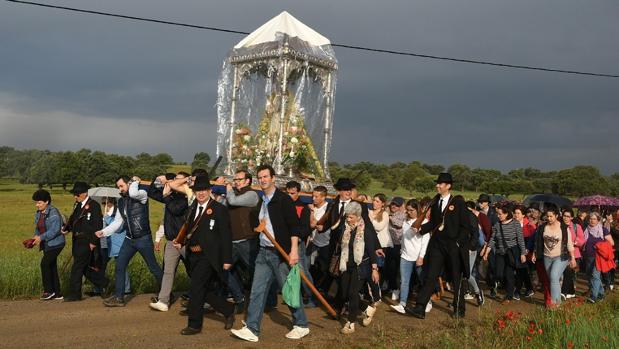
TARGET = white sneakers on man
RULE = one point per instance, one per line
(161, 306)
(297, 332)
(399, 308)
(245, 334)
(348, 328)
(369, 314)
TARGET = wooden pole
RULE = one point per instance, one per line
(263, 229)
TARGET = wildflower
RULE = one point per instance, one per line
(531, 330)
(501, 324)
(540, 331)
(568, 321)
(529, 338)
(509, 315)
(570, 344)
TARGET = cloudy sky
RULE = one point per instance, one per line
(71, 81)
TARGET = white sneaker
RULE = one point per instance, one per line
(297, 332)
(395, 295)
(428, 306)
(468, 296)
(569, 295)
(161, 306)
(611, 287)
(348, 328)
(245, 334)
(399, 308)
(369, 314)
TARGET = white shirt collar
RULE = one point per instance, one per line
(84, 202)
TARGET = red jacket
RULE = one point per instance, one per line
(604, 256)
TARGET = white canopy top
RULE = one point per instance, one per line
(283, 23)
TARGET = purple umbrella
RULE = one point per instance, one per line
(597, 200)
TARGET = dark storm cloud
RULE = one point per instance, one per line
(82, 72)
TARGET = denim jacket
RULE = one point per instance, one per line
(52, 236)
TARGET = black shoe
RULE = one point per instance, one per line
(229, 322)
(72, 299)
(418, 312)
(188, 331)
(114, 302)
(93, 294)
(239, 307)
(183, 312)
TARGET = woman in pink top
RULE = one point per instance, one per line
(567, 288)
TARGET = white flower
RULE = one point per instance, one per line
(245, 147)
(294, 140)
(247, 138)
(292, 154)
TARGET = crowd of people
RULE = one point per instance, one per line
(239, 244)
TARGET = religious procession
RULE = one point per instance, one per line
(268, 227)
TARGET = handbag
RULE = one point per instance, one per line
(334, 264)
(512, 257)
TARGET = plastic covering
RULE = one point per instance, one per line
(275, 106)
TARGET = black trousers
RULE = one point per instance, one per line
(320, 268)
(202, 289)
(569, 276)
(442, 255)
(348, 291)
(81, 267)
(49, 271)
(505, 272)
(392, 266)
(523, 277)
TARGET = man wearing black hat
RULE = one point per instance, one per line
(484, 206)
(85, 220)
(209, 250)
(451, 228)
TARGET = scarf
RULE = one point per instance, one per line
(358, 244)
(597, 232)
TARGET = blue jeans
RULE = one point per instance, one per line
(143, 245)
(406, 271)
(595, 279)
(269, 268)
(472, 280)
(244, 252)
(555, 268)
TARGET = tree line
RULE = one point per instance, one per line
(45, 167)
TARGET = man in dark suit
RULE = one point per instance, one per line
(451, 228)
(85, 220)
(209, 249)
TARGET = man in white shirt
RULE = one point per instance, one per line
(321, 234)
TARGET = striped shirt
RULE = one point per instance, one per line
(512, 231)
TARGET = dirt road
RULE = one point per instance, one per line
(88, 324)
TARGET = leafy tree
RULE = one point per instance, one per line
(461, 175)
(200, 160)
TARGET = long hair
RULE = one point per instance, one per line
(383, 199)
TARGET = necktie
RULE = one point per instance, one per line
(440, 204)
(200, 208)
(342, 208)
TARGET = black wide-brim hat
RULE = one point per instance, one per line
(344, 184)
(444, 177)
(483, 198)
(79, 187)
(202, 182)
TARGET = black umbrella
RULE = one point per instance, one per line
(556, 200)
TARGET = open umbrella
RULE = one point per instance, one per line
(554, 199)
(597, 200)
(98, 193)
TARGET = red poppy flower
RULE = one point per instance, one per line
(540, 331)
(570, 344)
(529, 338)
(568, 321)
(531, 330)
